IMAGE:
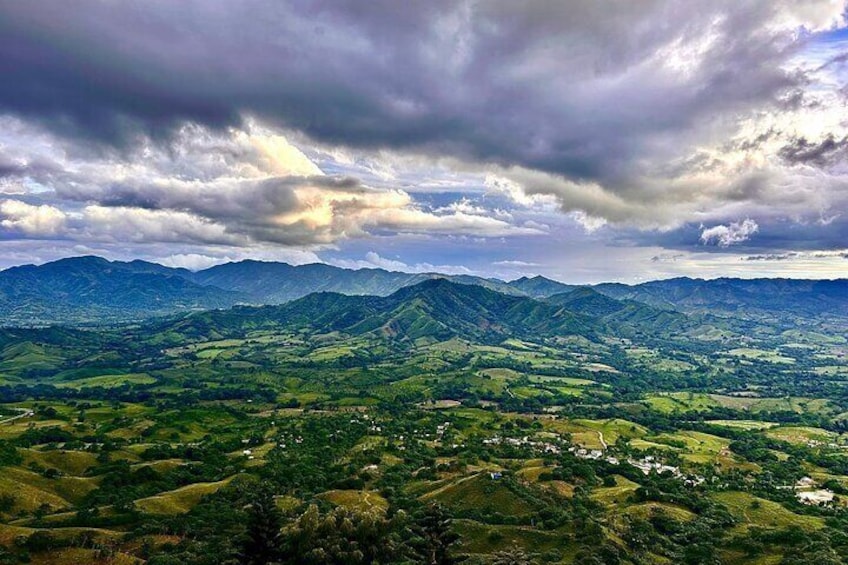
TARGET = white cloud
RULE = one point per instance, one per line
(465, 206)
(374, 260)
(727, 235)
(31, 220)
(149, 226)
(385, 263)
(241, 187)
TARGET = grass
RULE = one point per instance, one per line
(27, 355)
(16, 428)
(361, 500)
(480, 493)
(600, 368)
(618, 494)
(613, 429)
(801, 434)
(667, 403)
(82, 556)
(480, 538)
(501, 374)
(645, 445)
(179, 501)
(657, 361)
(832, 370)
(564, 385)
(27, 496)
(568, 381)
(72, 489)
(8, 534)
(742, 424)
(696, 442)
(646, 509)
(560, 488)
(753, 511)
(742, 558)
(68, 462)
(532, 473)
(109, 381)
(761, 355)
(161, 466)
(525, 392)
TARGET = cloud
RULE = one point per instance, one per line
(725, 236)
(30, 220)
(374, 260)
(772, 257)
(307, 125)
(104, 223)
(193, 261)
(826, 151)
(240, 187)
(543, 85)
(667, 257)
(210, 258)
(465, 206)
(798, 255)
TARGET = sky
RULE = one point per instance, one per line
(586, 141)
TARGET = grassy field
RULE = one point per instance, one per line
(361, 500)
(668, 403)
(617, 495)
(109, 381)
(180, 500)
(479, 493)
(757, 512)
(761, 355)
(480, 538)
(802, 434)
(750, 425)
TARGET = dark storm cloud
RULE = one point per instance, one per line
(11, 167)
(825, 152)
(241, 199)
(577, 88)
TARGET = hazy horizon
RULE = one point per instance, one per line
(508, 280)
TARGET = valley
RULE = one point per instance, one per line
(473, 424)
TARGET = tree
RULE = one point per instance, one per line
(344, 536)
(264, 524)
(434, 537)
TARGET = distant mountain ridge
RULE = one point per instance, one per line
(85, 290)
(276, 283)
(763, 299)
(92, 290)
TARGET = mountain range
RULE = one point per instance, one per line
(92, 290)
(436, 308)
